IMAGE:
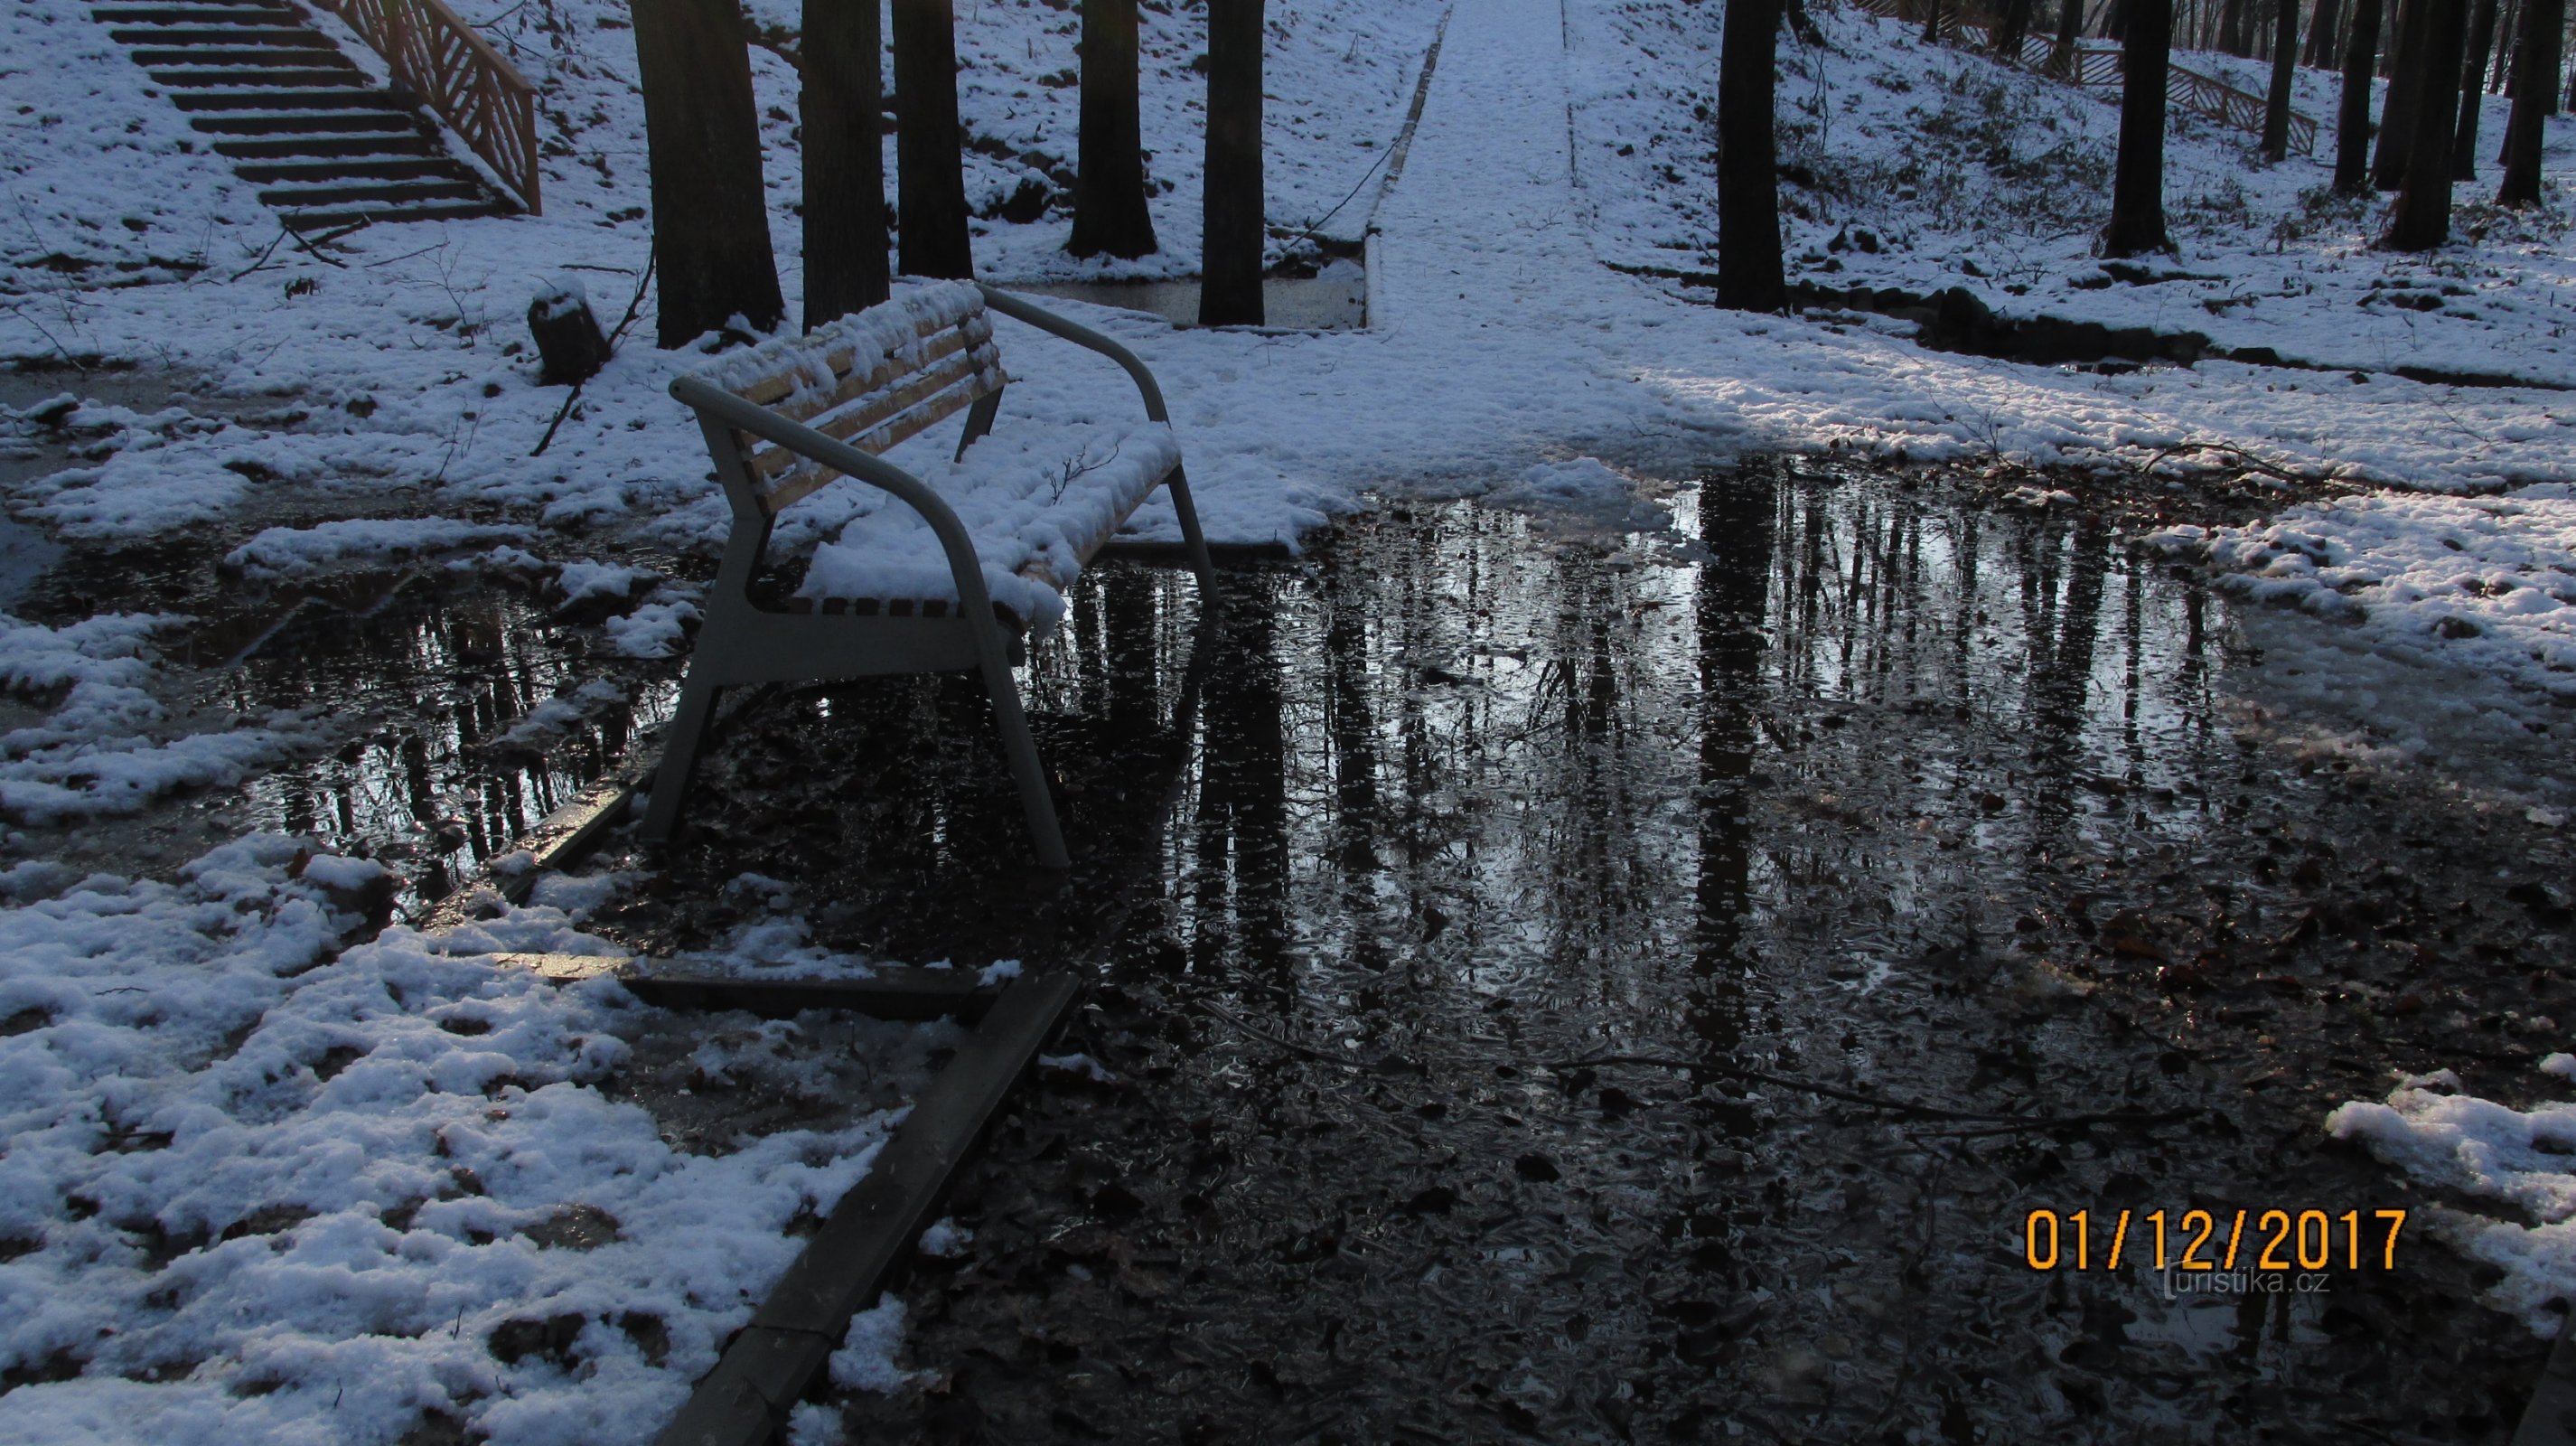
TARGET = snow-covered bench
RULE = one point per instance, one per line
(928, 577)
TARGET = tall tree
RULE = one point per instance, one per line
(842, 106)
(1236, 208)
(2473, 90)
(2405, 83)
(2319, 51)
(1109, 211)
(2285, 64)
(2138, 176)
(2011, 27)
(2231, 27)
(702, 139)
(2421, 220)
(2535, 94)
(2352, 118)
(929, 146)
(1749, 273)
(2070, 24)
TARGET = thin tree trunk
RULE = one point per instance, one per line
(2405, 83)
(2535, 86)
(1109, 212)
(2323, 28)
(711, 250)
(2009, 30)
(2421, 220)
(2070, 24)
(1230, 259)
(2352, 119)
(2138, 178)
(1932, 22)
(2231, 27)
(842, 107)
(2508, 32)
(929, 147)
(2473, 91)
(2285, 61)
(1749, 273)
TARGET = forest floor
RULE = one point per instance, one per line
(1628, 677)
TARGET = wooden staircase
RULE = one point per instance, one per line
(297, 118)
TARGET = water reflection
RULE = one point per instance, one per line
(434, 689)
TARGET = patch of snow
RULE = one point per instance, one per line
(289, 552)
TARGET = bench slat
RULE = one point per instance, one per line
(840, 360)
(976, 332)
(910, 410)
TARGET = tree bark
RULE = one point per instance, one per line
(2138, 177)
(1932, 22)
(2285, 64)
(2473, 90)
(842, 106)
(2231, 27)
(702, 138)
(2070, 24)
(2405, 83)
(2011, 27)
(2421, 220)
(1749, 272)
(1236, 218)
(2535, 64)
(2319, 51)
(2352, 119)
(1109, 211)
(929, 146)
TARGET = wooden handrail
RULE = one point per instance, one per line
(446, 66)
(2096, 65)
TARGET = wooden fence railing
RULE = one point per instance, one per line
(446, 66)
(2099, 66)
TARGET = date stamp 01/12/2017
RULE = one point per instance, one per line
(2256, 1249)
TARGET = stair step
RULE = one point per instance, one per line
(313, 98)
(209, 15)
(346, 215)
(279, 78)
(382, 168)
(386, 145)
(285, 37)
(312, 123)
(337, 193)
(237, 57)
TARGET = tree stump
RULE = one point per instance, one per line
(569, 342)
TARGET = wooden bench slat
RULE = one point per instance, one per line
(801, 481)
(973, 334)
(787, 379)
(961, 373)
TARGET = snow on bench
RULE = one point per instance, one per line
(926, 575)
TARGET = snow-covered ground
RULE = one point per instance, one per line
(1503, 359)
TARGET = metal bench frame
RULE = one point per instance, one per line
(742, 642)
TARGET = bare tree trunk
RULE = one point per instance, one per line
(2231, 27)
(2138, 178)
(929, 146)
(1932, 22)
(2405, 83)
(2070, 24)
(2535, 87)
(2352, 120)
(842, 105)
(1109, 212)
(2285, 61)
(2473, 91)
(1230, 258)
(2011, 27)
(1749, 275)
(2323, 29)
(2421, 220)
(702, 137)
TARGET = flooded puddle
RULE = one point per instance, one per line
(1336, 299)
(1444, 896)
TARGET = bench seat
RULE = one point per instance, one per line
(1040, 505)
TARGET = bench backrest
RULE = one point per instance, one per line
(870, 379)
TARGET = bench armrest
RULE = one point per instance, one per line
(974, 600)
(1020, 309)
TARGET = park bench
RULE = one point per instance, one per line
(932, 576)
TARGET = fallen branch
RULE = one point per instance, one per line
(1911, 1109)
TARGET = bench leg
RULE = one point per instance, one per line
(1025, 767)
(1192, 538)
(679, 760)
(979, 420)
